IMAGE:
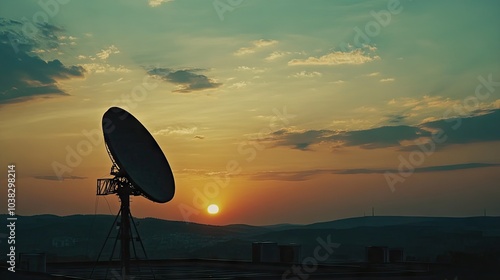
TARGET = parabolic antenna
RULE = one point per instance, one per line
(139, 168)
(137, 155)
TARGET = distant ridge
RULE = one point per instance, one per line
(80, 237)
(381, 221)
(346, 223)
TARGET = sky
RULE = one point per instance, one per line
(276, 111)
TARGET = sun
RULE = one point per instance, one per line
(213, 209)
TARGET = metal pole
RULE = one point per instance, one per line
(124, 194)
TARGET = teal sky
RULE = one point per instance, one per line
(362, 82)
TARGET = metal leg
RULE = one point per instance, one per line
(142, 245)
(104, 245)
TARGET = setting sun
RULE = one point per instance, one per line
(213, 209)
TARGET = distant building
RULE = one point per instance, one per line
(377, 254)
(383, 254)
(33, 262)
(411, 258)
(396, 255)
(265, 252)
(290, 253)
(65, 241)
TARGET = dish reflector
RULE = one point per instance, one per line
(137, 155)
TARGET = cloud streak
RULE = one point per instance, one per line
(157, 3)
(380, 137)
(56, 178)
(304, 175)
(305, 74)
(187, 80)
(105, 53)
(386, 80)
(276, 54)
(255, 45)
(474, 129)
(176, 130)
(354, 57)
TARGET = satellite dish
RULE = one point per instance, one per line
(139, 168)
(137, 155)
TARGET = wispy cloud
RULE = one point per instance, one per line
(277, 54)
(380, 137)
(239, 85)
(437, 104)
(157, 3)
(104, 68)
(396, 119)
(474, 129)
(176, 130)
(354, 57)
(251, 69)
(56, 178)
(365, 109)
(387, 80)
(303, 175)
(305, 74)
(105, 53)
(255, 45)
(187, 79)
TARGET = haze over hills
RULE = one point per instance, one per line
(80, 237)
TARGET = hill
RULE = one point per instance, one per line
(80, 237)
